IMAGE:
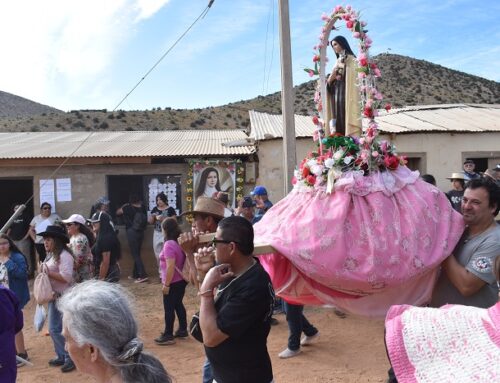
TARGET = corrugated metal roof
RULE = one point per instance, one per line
(267, 126)
(414, 119)
(178, 143)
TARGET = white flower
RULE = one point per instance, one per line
(329, 162)
(338, 155)
(311, 163)
(348, 160)
(336, 173)
(316, 169)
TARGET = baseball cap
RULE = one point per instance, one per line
(468, 161)
(259, 190)
(75, 218)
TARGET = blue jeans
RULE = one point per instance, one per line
(135, 239)
(208, 375)
(55, 331)
(297, 324)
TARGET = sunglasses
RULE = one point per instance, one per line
(216, 241)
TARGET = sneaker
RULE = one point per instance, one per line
(23, 355)
(68, 366)
(56, 362)
(181, 334)
(287, 353)
(141, 280)
(165, 340)
(307, 340)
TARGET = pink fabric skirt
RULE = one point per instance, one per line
(375, 241)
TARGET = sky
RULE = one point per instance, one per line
(90, 54)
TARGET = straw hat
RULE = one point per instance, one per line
(456, 176)
(210, 206)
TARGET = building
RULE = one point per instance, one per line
(73, 169)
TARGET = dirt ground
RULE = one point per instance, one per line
(349, 350)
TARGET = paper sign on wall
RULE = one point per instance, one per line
(47, 193)
(63, 189)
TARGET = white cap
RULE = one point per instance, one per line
(75, 218)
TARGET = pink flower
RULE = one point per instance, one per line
(294, 180)
(362, 141)
(311, 73)
(361, 75)
(325, 17)
(387, 107)
(348, 7)
(356, 35)
(376, 72)
(315, 120)
(337, 8)
(349, 24)
(379, 96)
(311, 179)
(374, 154)
(384, 145)
(363, 61)
(346, 17)
(316, 58)
(363, 23)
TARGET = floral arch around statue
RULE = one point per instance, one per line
(359, 230)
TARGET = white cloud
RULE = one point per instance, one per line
(56, 49)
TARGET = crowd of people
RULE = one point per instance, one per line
(81, 259)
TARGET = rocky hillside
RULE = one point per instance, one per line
(405, 81)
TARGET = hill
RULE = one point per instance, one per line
(15, 106)
(406, 81)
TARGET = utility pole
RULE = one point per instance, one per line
(289, 151)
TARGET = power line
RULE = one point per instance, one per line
(202, 15)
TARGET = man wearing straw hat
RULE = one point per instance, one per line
(206, 214)
(456, 194)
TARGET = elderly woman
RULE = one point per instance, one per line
(106, 250)
(101, 335)
(39, 223)
(14, 275)
(59, 267)
(80, 242)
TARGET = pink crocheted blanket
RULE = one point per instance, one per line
(453, 343)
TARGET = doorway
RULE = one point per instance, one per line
(15, 191)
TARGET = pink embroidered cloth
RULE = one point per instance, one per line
(376, 241)
(451, 344)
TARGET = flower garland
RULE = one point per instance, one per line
(338, 154)
(234, 167)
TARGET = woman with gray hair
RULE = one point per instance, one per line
(101, 335)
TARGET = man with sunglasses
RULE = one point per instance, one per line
(237, 300)
(38, 224)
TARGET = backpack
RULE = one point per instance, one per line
(140, 221)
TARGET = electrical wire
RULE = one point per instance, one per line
(202, 15)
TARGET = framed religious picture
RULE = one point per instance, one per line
(212, 176)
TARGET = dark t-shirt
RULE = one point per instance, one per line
(107, 243)
(129, 214)
(455, 198)
(19, 227)
(168, 212)
(244, 311)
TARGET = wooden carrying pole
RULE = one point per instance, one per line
(258, 248)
